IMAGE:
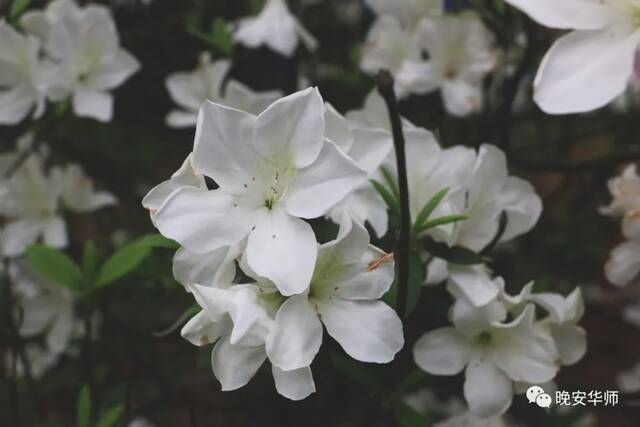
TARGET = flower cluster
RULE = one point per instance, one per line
(207, 83)
(65, 51)
(272, 172)
(459, 50)
(623, 265)
(33, 199)
(502, 345)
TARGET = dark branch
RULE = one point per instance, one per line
(385, 88)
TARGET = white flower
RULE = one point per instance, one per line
(190, 89)
(273, 170)
(460, 55)
(374, 114)
(78, 193)
(408, 11)
(629, 380)
(368, 148)
(84, 44)
(625, 191)
(21, 76)
(587, 68)
(495, 355)
(274, 27)
(349, 277)
(30, 204)
(623, 265)
(238, 320)
(390, 47)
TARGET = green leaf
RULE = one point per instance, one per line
(83, 408)
(123, 261)
(416, 278)
(429, 207)
(17, 8)
(111, 417)
(390, 180)
(221, 37)
(409, 417)
(158, 241)
(358, 372)
(55, 266)
(89, 261)
(388, 198)
(447, 219)
(455, 254)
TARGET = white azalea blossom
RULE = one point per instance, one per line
(623, 265)
(273, 170)
(625, 192)
(207, 82)
(391, 47)
(593, 64)
(460, 56)
(349, 277)
(276, 28)
(31, 201)
(22, 76)
(84, 46)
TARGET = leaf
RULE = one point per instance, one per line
(17, 8)
(416, 278)
(455, 254)
(83, 408)
(356, 371)
(390, 180)
(429, 207)
(447, 219)
(157, 240)
(123, 261)
(409, 417)
(111, 417)
(89, 261)
(221, 37)
(55, 266)
(388, 198)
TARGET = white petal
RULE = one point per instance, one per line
(201, 331)
(296, 335)
(243, 98)
(55, 233)
(235, 365)
(624, 263)
(370, 148)
(461, 98)
(568, 14)
(320, 186)
(337, 128)
(571, 341)
(364, 205)
(223, 148)
(94, 104)
(444, 351)
(181, 119)
(292, 129)
(372, 279)
(473, 283)
(369, 331)
(15, 104)
(61, 331)
(283, 249)
(472, 320)
(115, 72)
(487, 390)
(585, 70)
(210, 269)
(17, 235)
(522, 205)
(296, 384)
(203, 221)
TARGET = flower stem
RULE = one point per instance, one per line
(385, 88)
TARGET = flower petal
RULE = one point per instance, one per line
(283, 249)
(235, 365)
(93, 103)
(215, 268)
(296, 384)
(201, 331)
(585, 70)
(368, 331)
(320, 186)
(292, 128)
(566, 15)
(296, 335)
(487, 390)
(623, 265)
(444, 351)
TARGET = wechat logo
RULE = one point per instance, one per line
(536, 394)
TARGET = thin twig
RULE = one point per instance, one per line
(385, 87)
